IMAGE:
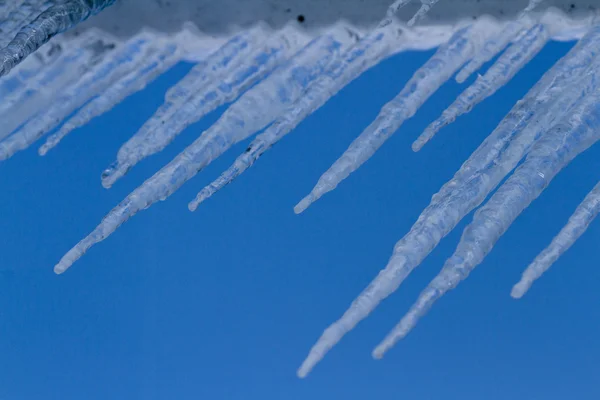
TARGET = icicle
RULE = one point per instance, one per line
(585, 213)
(129, 84)
(425, 7)
(239, 121)
(276, 50)
(39, 91)
(96, 81)
(497, 43)
(558, 89)
(218, 64)
(567, 139)
(54, 20)
(369, 51)
(419, 88)
(392, 11)
(511, 62)
(19, 17)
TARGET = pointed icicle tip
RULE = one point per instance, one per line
(519, 290)
(304, 204)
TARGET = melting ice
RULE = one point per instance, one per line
(272, 79)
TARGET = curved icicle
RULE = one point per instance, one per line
(133, 82)
(369, 51)
(578, 223)
(507, 66)
(125, 59)
(237, 123)
(486, 167)
(572, 135)
(223, 62)
(437, 70)
(49, 23)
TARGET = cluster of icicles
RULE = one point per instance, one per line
(272, 80)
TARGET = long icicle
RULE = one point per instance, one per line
(437, 70)
(238, 122)
(486, 167)
(369, 51)
(128, 85)
(49, 23)
(507, 66)
(96, 81)
(581, 219)
(497, 43)
(574, 134)
(275, 51)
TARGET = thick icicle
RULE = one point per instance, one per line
(511, 62)
(437, 70)
(133, 82)
(95, 81)
(497, 43)
(20, 17)
(54, 20)
(260, 63)
(239, 121)
(558, 89)
(583, 216)
(38, 92)
(567, 139)
(420, 14)
(369, 51)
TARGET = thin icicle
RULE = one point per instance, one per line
(369, 51)
(497, 43)
(392, 11)
(54, 20)
(572, 135)
(238, 122)
(261, 62)
(581, 219)
(133, 82)
(127, 58)
(420, 14)
(558, 89)
(437, 70)
(511, 62)
(38, 92)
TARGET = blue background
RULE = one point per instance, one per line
(226, 302)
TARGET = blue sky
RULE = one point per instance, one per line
(226, 302)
